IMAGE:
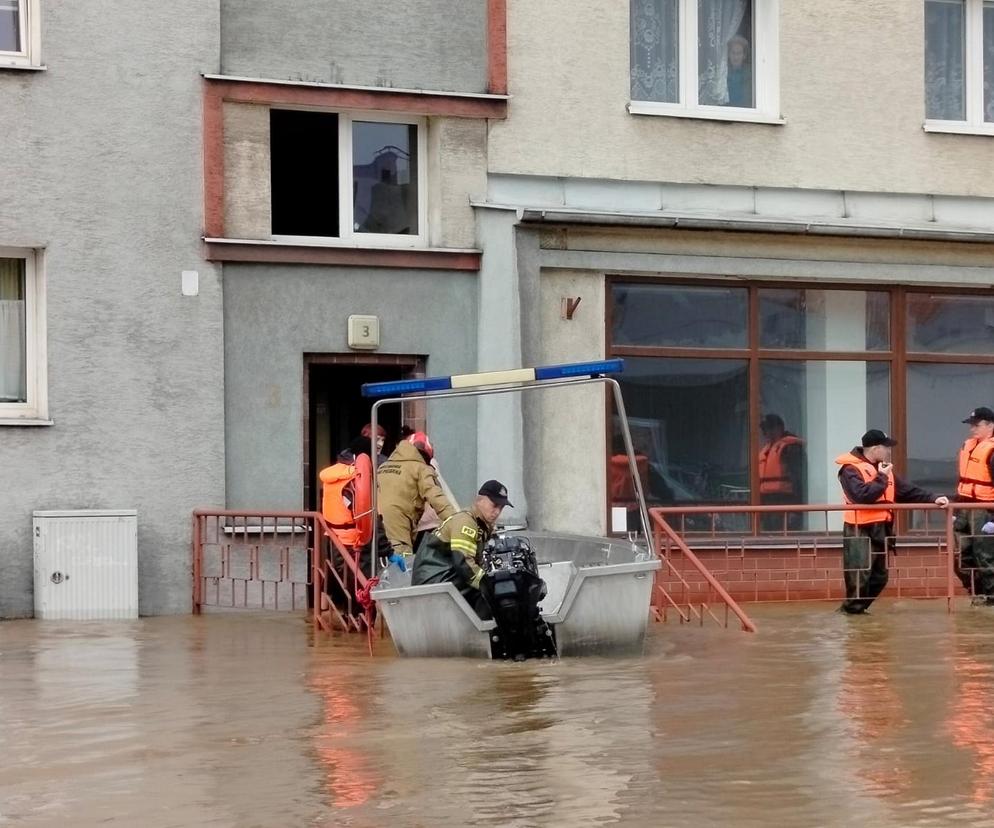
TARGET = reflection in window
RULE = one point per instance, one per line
(945, 60)
(947, 324)
(724, 44)
(682, 317)
(939, 396)
(385, 178)
(689, 421)
(824, 320)
(13, 332)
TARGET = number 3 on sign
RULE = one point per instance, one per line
(364, 332)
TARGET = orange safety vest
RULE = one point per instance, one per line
(868, 472)
(341, 518)
(772, 479)
(622, 485)
(975, 469)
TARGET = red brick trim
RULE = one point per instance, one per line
(410, 258)
(497, 46)
(213, 164)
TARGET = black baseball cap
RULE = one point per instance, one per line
(875, 437)
(978, 414)
(497, 492)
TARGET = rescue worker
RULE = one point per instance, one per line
(381, 439)
(407, 482)
(337, 493)
(976, 485)
(867, 476)
(454, 551)
(781, 473)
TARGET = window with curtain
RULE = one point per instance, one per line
(698, 55)
(13, 331)
(20, 33)
(959, 62)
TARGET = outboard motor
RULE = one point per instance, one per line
(513, 589)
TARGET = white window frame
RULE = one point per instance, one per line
(35, 410)
(973, 77)
(348, 236)
(30, 35)
(765, 68)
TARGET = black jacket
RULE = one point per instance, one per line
(859, 492)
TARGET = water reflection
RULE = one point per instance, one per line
(971, 720)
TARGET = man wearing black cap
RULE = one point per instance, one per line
(453, 552)
(867, 476)
(976, 485)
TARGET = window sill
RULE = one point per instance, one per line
(703, 113)
(23, 67)
(24, 421)
(959, 128)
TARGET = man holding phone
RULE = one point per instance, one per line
(867, 476)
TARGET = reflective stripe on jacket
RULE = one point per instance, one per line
(868, 472)
(773, 478)
(975, 469)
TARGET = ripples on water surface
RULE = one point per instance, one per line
(247, 721)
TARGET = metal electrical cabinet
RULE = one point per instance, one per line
(86, 564)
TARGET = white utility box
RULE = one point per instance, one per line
(86, 564)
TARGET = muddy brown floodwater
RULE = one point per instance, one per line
(820, 719)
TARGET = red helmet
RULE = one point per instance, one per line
(367, 431)
(421, 442)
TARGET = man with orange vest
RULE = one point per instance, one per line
(867, 476)
(976, 485)
(781, 472)
(337, 494)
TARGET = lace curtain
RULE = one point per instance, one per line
(655, 50)
(945, 36)
(13, 366)
(718, 21)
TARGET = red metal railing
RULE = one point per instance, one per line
(275, 561)
(734, 547)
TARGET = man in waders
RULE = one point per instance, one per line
(974, 527)
(867, 476)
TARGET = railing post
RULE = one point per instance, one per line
(950, 563)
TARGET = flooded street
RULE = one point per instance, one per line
(247, 721)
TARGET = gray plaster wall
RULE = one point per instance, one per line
(410, 44)
(274, 314)
(102, 167)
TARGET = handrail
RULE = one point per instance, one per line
(730, 603)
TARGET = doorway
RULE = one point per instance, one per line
(335, 410)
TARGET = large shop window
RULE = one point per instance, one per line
(22, 337)
(351, 179)
(959, 65)
(705, 58)
(716, 371)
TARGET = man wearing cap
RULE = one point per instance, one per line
(867, 476)
(976, 485)
(454, 551)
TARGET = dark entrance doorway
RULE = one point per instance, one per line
(336, 411)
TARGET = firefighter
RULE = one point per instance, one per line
(867, 476)
(781, 472)
(973, 526)
(453, 552)
(407, 482)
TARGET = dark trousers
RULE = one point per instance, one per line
(864, 563)
(780, 521)
(975, 564)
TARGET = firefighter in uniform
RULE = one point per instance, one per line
(454, 551)
(781, 472)
(976, 485)
(406, 482)
(867, 476)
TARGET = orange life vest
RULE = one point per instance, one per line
(772, 479)
(340, 516)
(975, 469)
(868, 472)
(622, 485)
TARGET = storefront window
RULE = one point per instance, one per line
(824, 320)
(680, 317)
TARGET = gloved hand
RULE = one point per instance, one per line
(988, 528)
(399, 560)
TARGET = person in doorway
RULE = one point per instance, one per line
(781, 474)
(407, 482)
(454, 551)
(381, 439)
(337, 493)
(867, 476)
(975, 527)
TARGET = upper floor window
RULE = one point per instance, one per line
(959, 65)
(705, 59)
(23, 385)
(19, 33)
(354, 178)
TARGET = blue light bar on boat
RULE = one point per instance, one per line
(482, 380)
